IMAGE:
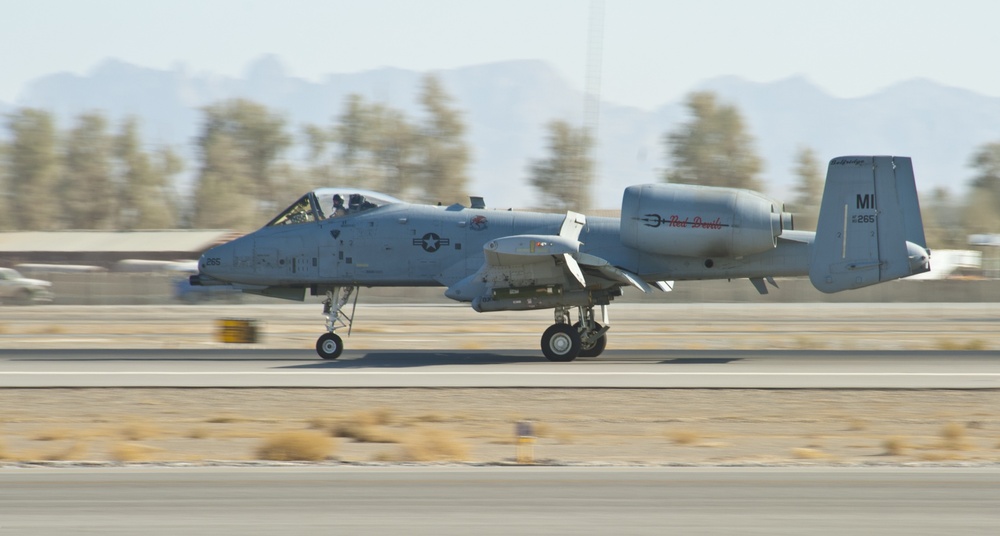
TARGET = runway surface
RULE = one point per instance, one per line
(760, 345)
(500, 500)
(743, 369)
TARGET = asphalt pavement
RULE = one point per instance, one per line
(739, 369)
(500, 501)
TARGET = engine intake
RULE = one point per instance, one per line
(700, 221)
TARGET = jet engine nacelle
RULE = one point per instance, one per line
(700, 221)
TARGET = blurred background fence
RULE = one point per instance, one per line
(111, 288)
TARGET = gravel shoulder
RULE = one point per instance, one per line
(629, 426)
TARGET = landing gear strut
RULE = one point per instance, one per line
(330, 345)
(563, 342)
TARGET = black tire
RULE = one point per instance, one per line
(329, 346)
(561, 343)
(595, 349)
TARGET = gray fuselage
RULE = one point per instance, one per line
(403, 244)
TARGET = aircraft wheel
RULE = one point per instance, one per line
(561, 342)
(596, 348)
(329, 346)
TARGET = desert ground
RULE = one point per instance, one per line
(615, 426)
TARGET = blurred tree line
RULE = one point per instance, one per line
(714, 148)
(102, 176)
(98, 176)
(86, 178)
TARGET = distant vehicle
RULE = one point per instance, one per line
(30, 268)
(20, 290)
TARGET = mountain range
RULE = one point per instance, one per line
(506, 106)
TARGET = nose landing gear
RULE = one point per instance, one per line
(330, 345)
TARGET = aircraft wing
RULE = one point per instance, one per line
(536, 257)
(518, 261)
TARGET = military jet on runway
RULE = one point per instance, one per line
(869, 231)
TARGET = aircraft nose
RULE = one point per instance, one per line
(215, 260)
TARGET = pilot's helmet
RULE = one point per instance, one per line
(337, 200)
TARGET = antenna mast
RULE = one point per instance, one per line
(592, 93)
(595, 46)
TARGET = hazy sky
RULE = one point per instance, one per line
(653, 51)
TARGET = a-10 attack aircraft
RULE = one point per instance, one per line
(869, 231)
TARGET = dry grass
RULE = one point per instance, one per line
(809, 454)
(857, 425)
(297, 445)
(431, 444)
(364, 433)
(320, 423)
(808, 343)
(895, 446)
(381, 416)
(940, 457)
(131, 452)
(564, 437)
(139, 431)
(76, 451)
(54, 434)
(683, 437)
(973, 345)
(953, 437)
(199, 432)
(367, 426)
(431, 417)
(541, 429)
(227, 419)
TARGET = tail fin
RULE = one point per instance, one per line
(869, 228)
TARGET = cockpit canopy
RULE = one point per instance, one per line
(319, 205)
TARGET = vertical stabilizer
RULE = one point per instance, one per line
(907, 189)
(869, 227)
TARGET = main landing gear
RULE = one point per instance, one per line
(330, 345)
(586, 338)
(561, 342)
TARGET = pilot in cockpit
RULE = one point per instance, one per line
(357, 202)
(338, 206)
(354, 202)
